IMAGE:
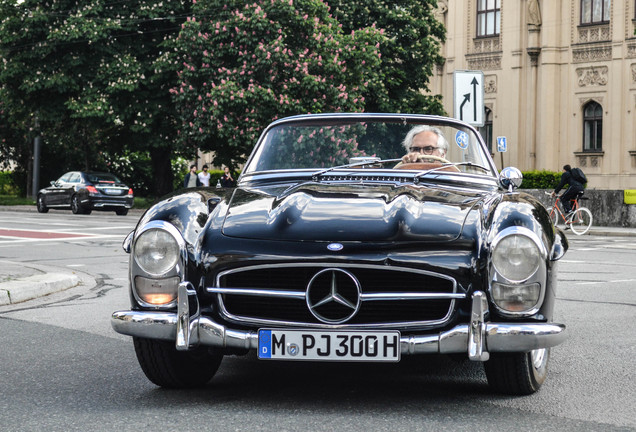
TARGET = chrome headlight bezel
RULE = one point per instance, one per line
(537, 275)
(175, 272)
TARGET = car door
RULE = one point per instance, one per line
(69, 188)
(56, 190)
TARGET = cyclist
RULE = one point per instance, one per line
(574, 187)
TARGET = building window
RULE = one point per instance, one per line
(592, 127)
(488, 17)
(595, 11)
(486, 129)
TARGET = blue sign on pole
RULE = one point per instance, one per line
(502, 144)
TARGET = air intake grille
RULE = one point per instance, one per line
(389, 296)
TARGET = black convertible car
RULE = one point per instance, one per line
(84, 192)
(350, 237)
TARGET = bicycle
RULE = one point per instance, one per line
(579, 220)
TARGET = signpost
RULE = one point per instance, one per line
(502, 144)
(468, 101)
(502, 147)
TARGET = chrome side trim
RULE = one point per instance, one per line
(258, 292)
(364, 297)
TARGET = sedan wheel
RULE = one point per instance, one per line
(42, 208)
(76, 206)
(167, 367)
(517, 373)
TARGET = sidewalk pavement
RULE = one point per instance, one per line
(20, 282)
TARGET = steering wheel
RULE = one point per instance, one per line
(425, 162)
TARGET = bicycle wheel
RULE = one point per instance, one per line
(554, 216)
(581, 221)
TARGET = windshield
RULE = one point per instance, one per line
(413, 143)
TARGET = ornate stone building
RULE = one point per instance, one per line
(559, 80)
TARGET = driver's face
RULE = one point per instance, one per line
(426, 143)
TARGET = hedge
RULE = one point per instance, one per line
(7, 186)
(540, 179)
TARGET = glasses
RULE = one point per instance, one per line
(425, 150)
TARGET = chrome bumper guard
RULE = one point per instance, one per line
(479, 338)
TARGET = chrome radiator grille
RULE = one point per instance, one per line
(319, 294)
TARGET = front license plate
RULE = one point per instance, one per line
(380, 346)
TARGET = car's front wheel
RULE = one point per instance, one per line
(517, 373)
(167, 367)
(121, 212)
(42, 208)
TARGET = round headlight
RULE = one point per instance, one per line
(156, 251)
(516, 257)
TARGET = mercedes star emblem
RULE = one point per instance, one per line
(333, 296)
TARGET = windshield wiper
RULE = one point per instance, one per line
(369, 161)
(417, 176)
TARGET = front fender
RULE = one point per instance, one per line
(187, 210)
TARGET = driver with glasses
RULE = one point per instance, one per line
(423, 141)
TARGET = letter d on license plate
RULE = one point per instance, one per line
(381, 346)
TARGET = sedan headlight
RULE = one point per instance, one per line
(156, 251)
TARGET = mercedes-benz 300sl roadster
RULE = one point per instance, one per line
(349, 238)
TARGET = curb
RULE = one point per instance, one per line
(31, 287)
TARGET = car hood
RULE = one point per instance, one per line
(351, 212)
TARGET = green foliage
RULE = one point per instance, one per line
(409, 52)
(540, 179)
(93, 78)
(248, 64)
(7, 186)
(83, 75)
(13, 200)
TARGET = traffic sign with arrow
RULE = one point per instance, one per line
(468, 101)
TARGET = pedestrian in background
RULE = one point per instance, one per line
(191, 179)
(204, 176)
(226, 178)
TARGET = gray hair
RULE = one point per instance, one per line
(441, 140)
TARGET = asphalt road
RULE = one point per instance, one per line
(62, 368)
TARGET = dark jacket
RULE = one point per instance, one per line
(568, 179)
(227, 182)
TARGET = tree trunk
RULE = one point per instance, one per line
(162, 169)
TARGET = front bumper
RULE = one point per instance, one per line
(477, 339)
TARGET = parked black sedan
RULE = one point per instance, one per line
(84, 192)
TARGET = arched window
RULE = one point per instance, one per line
(486, 129)
(592, 127)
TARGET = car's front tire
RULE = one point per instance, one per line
(121, 212)
(42, 208)
(517, 373)
(167, 367)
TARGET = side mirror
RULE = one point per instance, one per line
(510, 178)
(53, 183)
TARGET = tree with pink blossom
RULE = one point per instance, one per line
(242, 65)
